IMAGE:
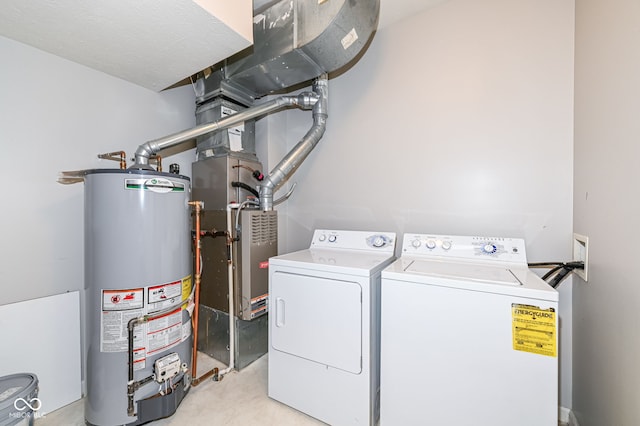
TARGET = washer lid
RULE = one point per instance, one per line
(472, 272)
(508, 279)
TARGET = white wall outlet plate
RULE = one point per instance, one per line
(581, 254)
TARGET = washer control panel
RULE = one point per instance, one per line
(354, 240)
(498, 249)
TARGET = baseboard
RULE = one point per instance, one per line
(565, 415)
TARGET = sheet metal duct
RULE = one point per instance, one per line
(295, 41)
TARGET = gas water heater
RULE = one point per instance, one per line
(138, 282)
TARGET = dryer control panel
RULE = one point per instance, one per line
(354, 240)
(486, 249)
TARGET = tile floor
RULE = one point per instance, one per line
(239, 399)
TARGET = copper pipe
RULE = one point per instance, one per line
(120, 156)
(194, 360)
(196, 310)
(196, 382)
(158, 161)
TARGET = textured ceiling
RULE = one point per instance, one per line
(152, 43)
(391, 11)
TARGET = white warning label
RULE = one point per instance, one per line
(114, 331)
(164, 332)
(235, 133)
(164, 295)
(186, 330)
(349, 39)
(139, 358)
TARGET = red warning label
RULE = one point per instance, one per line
(120, 300)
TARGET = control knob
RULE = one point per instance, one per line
(489, 248)
(416, 243)
(446, 245)
(431, 244)
(332, 238)
(379, 241)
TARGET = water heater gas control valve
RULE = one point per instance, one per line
(167, 367)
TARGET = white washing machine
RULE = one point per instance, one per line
(324, 325)
(469, 335)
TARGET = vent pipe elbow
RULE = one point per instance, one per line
(288, 165)
(321, 90)
(143, 153)
(306, 100)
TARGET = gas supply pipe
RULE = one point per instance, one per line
(198, 205)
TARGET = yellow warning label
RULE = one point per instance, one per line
(186, 287)
(534, 329)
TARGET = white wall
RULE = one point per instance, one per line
(607, 210)
(56, 115)
(458, 120)
(42, 337)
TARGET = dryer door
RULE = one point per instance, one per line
(317, 318)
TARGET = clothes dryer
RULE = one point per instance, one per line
(324, 325)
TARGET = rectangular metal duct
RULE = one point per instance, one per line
(294, 42)
(238, 141)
